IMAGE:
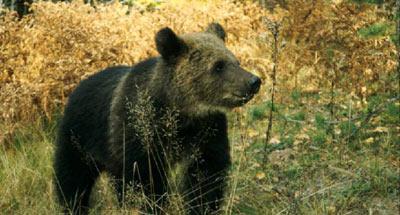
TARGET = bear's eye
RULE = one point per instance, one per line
(219, 66)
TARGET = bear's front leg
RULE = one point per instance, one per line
(206, 179)
(149, 173)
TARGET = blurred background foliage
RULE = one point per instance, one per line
(343, 46)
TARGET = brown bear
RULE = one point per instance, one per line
(136, 123)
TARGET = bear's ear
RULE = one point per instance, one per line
(217, 29)
(169, 45)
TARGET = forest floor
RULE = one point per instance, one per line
(314, 165)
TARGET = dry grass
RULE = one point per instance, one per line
(44, 55)
(305, 173)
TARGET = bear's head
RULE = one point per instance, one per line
(206, 75)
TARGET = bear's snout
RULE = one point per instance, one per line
(254, 84)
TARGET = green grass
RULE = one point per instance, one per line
(307, 171)
(26, 173)
(369, 1)
(375, 30)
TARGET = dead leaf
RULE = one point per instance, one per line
(260, 175)
(302, 136)
(369, 140)
(381, 129)
(252, 133)
(274, 141)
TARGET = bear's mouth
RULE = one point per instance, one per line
(237, 100)
(244, 98)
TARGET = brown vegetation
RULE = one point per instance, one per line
(44, 55)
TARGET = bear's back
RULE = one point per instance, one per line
(86, 114)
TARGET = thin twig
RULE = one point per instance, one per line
(274, 28)
(398, 40)
(332, 107)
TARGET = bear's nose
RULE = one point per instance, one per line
(255, 83)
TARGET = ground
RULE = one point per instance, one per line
(307, 171)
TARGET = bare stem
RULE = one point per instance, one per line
(397, 14)
(274, 28)
(332, 107)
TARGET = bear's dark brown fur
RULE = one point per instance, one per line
(150, 117)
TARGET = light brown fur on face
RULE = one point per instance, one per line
(205, 75)
(203, 89)
(193, 71)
